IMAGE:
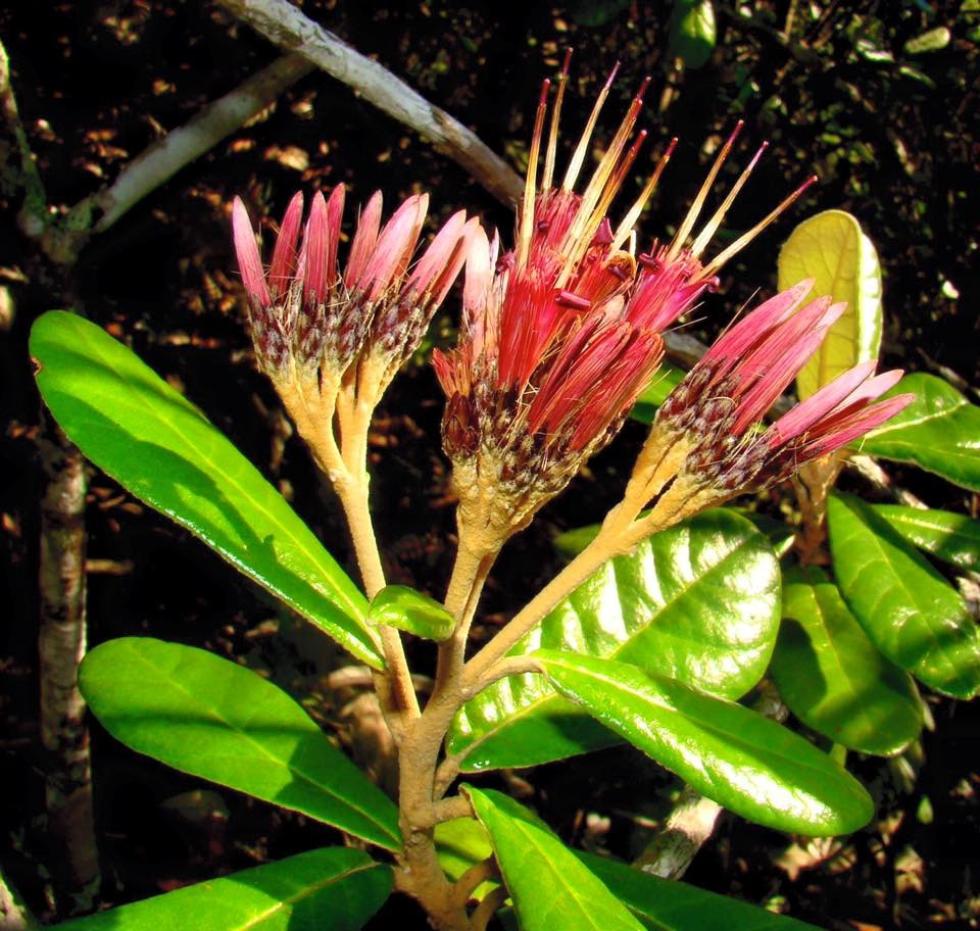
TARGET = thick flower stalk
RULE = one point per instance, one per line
(561, 334)
(331, 340)
(707, 442)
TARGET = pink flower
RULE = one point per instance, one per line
(307, 313)
(561, 334)
(548, 363)
(717, 406)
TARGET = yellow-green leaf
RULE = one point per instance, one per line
(832, 248)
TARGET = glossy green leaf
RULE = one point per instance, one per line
(665, 905)
(831, 248)
(335, 887)
(159, 446)
(939, 431)
(667, 378)
(698, 602)
(779, 534)
(740, 759)
(833, 678)
(549, 885)
(953, 538)
(405, 608)
(212, 718)
(692, 32)
(910, 612)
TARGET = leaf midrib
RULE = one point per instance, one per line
(708, 726)
(306, 892)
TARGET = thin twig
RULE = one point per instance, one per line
(286, 26)
(14, 914)
(158, 163)
(487, 908)
(34, 212)
(473, 878)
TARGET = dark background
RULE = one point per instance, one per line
(893, 142)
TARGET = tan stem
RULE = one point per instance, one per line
(473, 878)
(312, 412)
(602, 548)
(420, 874)
(482, 914)
(812, 485)
(396, 690)
(619, 533)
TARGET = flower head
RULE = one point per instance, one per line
(561, 334)
(307, 314)
(707, 431)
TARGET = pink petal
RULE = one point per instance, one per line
(764, 375)
(335, 214)
(437, 257)
(476, 288)
(619, 388)
(365, 239)
(249, 260)
(315, 252)
(734, 343)
(873, 388)
(456, 261)
(805, 414)
(857, 424)
(394, 247)
(284, 255)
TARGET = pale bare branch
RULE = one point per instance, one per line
(289, 28)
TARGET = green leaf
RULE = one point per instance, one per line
(295, 894)
(909, 611)
(953, 538)
(405, 608)
(833, 678)
(667, 378)
(698, 602)
(740, 759)
(692, 32)
(939, 431)
(665, 905)
(159, 446)
(550, 886)
(779, 534)
(832, 248)
(212, 718)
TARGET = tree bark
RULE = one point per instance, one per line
(61, 646)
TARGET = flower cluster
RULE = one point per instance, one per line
(707, 437)
(306, 315)
(558, 337)
(561, 334)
